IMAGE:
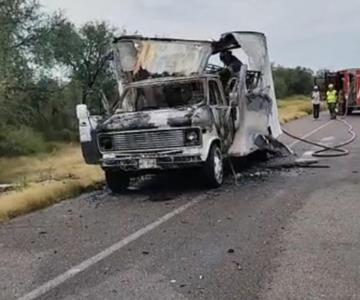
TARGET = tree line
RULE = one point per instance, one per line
(48, 65)
(292, 81)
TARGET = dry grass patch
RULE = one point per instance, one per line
(45, 179)
(294, 108)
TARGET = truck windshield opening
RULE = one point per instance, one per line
(164, 95)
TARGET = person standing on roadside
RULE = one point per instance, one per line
(316, 101)
(331, 99)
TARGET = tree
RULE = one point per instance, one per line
(22, 28)
(281, 88)
(36, 99)
(292, 81)
(84, 51)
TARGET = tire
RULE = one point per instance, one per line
(117, 181)
(349, 111)
(213, 170)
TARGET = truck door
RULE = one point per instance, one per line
(87, 134)
(220, 109)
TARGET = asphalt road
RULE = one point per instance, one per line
(288, 234)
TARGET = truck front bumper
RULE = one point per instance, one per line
(151, 161)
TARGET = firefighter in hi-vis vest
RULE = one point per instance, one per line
(331, 99)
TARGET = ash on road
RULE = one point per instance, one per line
(288, 235)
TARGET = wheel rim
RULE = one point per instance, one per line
(218, 167)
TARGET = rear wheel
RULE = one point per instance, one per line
(214, 168)
(117, 181)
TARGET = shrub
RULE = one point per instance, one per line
(61, 135)
(292, 81)
(21, 141)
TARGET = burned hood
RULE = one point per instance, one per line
(162, 118)
(140, 58)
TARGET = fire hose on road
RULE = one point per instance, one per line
(336, 150)
(325, 151)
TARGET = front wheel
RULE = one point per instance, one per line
(117, 181)
(214, 168)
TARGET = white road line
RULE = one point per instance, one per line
(311, 133)
(48, 286)
(328, 139)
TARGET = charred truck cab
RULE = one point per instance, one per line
(177, 110)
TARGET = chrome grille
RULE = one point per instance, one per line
(148, 140)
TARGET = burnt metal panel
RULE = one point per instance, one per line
(140, 59)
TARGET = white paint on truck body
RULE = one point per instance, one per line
(148, 66)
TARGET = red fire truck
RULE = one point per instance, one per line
(347, 83)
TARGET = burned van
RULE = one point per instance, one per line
(183, 104)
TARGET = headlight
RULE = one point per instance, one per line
(192, 137)
(105, 143)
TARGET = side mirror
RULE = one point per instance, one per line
(82, 111)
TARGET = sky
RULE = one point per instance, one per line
(310, 33)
